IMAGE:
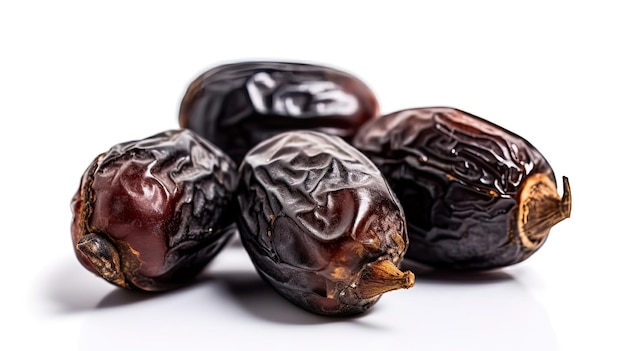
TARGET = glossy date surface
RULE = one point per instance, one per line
(150, 214)
(476, 196)
(238, 105)
(320, 223)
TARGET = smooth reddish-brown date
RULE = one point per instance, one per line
(150, 214)
(476, 196)
(237, 105)
(320, 223)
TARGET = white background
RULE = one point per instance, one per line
(76, 78)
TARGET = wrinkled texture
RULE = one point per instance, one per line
(240, 104)
(459, 179)
(162, 204)
(313, 213)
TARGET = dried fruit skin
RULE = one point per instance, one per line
(476, 196)
(238, 105)
(320, 223)
(150, 214)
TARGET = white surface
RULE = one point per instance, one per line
(76, 78)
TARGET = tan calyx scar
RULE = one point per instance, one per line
(104, 257)
(540, 208)
(378, 277)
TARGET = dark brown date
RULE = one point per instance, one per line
(476, 196)
(150, 214)
(238, 105)
(320, 223)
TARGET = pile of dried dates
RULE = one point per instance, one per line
(328, 196)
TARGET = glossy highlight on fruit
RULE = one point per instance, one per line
(320, 223)
(237, 105)
(476, 196)
(150, 214)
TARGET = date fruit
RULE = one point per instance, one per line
(476, 196)
(237, 105)
(320, 223)
(150, 214)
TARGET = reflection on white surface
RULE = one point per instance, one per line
(230, 306)
(480, 311)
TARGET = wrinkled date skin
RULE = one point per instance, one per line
(476, 196)
(320, 223)
(238, 105)
(150, 214)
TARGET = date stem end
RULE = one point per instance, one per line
(103, 256)
(380, 277)
(541, 208)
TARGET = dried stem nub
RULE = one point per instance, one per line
(541, 208)
(103, 256)
(380, 277)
